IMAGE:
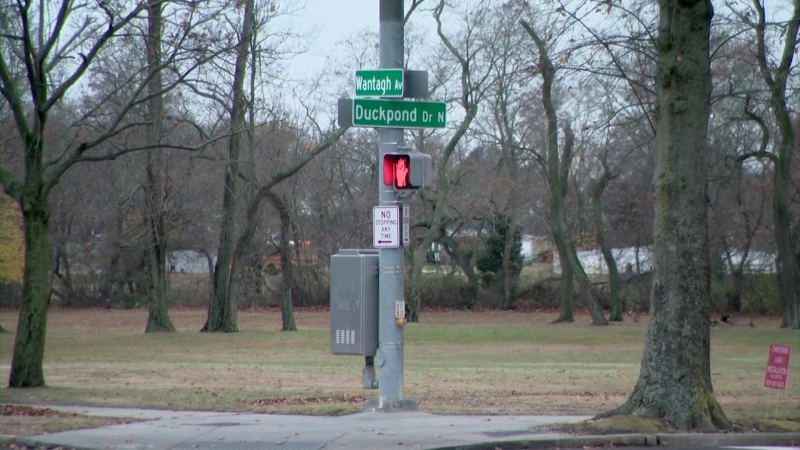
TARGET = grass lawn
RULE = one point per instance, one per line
(489, 362)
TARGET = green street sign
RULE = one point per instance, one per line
(398, 114)
(379, 83)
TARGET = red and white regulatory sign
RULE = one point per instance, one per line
(386, 226)
(778, 366)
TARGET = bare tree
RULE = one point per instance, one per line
(776, 79)
(156, 253)
(556, 166)
(223, 309)
(473, 74)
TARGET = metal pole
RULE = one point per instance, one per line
(391, 261)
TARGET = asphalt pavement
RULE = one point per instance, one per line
(186, 430)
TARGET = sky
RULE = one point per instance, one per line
(334, 20)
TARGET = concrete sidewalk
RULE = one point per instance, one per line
(179, 430)
(186, 430)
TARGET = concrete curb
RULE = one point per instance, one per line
(561, 442)
(711, 439)
(641, 440)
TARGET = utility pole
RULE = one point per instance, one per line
(391, 261)
(367, 286)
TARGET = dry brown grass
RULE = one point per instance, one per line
(456, 362)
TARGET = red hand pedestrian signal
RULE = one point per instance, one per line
(397, 170)
(406, 171)
(401, 172)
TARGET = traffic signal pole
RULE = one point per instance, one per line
(391, 261)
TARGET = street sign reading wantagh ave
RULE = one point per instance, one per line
(380, 83)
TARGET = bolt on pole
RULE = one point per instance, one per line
(391, 261)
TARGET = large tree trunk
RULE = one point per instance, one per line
(26, 364)
(509, 275)
(415, 294)
(566, 248)
(67, 293)
(783, 235)
(587, 298)
(223, 310)
(675, 378)
(567, 287)
(287, 278)
(614, 283)
(156, 255)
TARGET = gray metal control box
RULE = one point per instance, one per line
(354, 302)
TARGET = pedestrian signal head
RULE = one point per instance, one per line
(407, 171)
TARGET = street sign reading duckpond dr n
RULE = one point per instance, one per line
(379, 83)
(398, 114)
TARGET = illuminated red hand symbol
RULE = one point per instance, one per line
(400, 173)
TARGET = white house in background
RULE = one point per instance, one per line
(757, 262)
(531, 246)
(188, 261)
(593, 262)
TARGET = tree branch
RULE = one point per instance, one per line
(61, 20)
(761, 46)
(765, 136)
(264, 189)
(112, 29)
(414, 5)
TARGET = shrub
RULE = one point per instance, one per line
(440, 291)
(540, 294)
(490, 261)
(762, 295)
(189, 289)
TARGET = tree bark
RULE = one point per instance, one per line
(509, 277)
(412, 314)
(287, 311)
(675, 378)
(614, 283)
(26, 364)
(565, 313)
(223, 310)
(61, 258)
(156, 254)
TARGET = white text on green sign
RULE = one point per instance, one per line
(398, 114)
(379, 83)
